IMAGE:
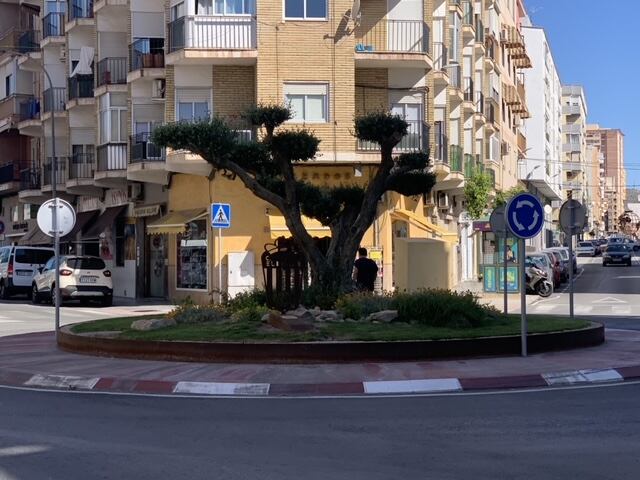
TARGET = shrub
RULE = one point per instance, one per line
(442, 308)
(249, 299)
(188, 312)
(316, 296)
(361, 304)
(250, 314)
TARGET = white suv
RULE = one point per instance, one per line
(81, 278)
(18, 265)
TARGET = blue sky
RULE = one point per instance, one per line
(591, 42)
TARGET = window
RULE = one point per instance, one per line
(113, 118)
(177, 11)
(86, 263)
(231, 7)
(305, 9)
(193, 104)
(30, 211)
(7, 86)
(192, 256)
(15, 214)
(308, 102)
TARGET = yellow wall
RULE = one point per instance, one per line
(424, 263)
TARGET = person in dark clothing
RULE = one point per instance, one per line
(365, 271)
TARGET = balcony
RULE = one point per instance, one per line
(147, 162)
(470, 165)
(112, 71)
(213, 39)
(522, 143)
(480, 106)
(572, 128)
(30, 186)
(81, 87)
(80, 9)
(440, 63)
(30, 124)
(112, 165)
(53, 27)
(468, 23)
(146, 53)
(492, 175)
(479, 27)
(490, 111)
(455, 158)
(536, 173)
(9, 178)
(469, 93)
(82, 167)
(54, 99)
(571, 147)
(29, 41)
(10, 110)
(393, 44)
(416, 139)
(571, 110)
(60, 174)
(570, 166)
(455, 75)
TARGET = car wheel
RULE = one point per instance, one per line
(4, 291)
(106, 301)
(35, 296)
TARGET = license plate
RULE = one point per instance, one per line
(23, 273)
(617, 259)
(88, 279)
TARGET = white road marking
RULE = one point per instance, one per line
(606, 375)
(218, 388)
(413, 386)
(62, 381)
(609, 301)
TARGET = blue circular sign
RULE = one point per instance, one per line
(525, 215)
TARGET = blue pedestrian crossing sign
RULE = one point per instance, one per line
(525, 215)
(220, 215)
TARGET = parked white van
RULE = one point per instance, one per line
(18, 265)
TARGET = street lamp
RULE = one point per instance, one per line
(54, 195)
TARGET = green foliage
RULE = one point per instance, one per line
(326, 203)
(249, 314)
(244, 300)
(317, 296)
(433, 307)
(503, 197)
(295, 145)
(189, 312)
(268, 115)
(410, 175)
(359, 305)
(476, 191)
(381, 128)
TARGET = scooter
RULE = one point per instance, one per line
(537, 282)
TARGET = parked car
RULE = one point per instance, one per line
(81, 278)
(632, 244)
(544, 261)
(586, 248)
(619, 254)
(563, 255)
(18, 265)
(556, 264)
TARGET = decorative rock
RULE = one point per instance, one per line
(152, 324)
(301, 313)
(297, 324)
(350, 320)
(330, 316)
(385, 316)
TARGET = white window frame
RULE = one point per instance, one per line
(248, 8)
(300, 86)
(105, 123)
(304, 16)
(177, 102)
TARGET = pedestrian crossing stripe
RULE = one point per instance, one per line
(220, 215)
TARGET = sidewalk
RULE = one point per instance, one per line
(33, 360)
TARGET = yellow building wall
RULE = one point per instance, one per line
(424, 263)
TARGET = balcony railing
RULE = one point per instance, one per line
(147, 53)
(479, 102)
(53, 25)
(439, 55)
(467, 12)
(441, 148)
(571, 147)
(492, 175)
(60, 171)
(479, 28)
(54, 99)
(455, 75)
(80, 9)
(571, 109)
(213, 32)
(490, 111)
(82, 166)
(416, 139)
(30, 109)
(112, 71)
(144, 150)
(393, 36)
(9, 172)
(10, 106)
(81, 86)
(467, 88)
(29, 41)
(470, 166)
(455, 158)
(30, 178)
(112, 157)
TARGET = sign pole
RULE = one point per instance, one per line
(504, 274)
(523, 298)
(220, 264)
(572, 212)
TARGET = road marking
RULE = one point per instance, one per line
(609, 301)
(11, 321)
(606, 375)
(218, 388)
(629, 276)
(62, 381)
(413, 386)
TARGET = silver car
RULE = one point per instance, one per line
(586, 248)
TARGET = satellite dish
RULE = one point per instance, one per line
(66, 219)
(356, 14)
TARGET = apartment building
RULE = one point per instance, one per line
(610, 142)
(595, 188)
(540, 167)
(574, 111)
(451, 68)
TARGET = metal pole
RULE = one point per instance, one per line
(220, 263)
(504, 274)
(523, 298)
(573, 214)
(54, 195)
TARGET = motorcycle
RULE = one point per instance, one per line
(537, 282)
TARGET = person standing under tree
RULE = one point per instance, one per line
(365, 271)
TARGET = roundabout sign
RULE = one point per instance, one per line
(525, 215)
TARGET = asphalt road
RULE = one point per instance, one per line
(587, 434)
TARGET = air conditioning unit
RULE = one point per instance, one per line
(134, 192)
(443, 201)
(505, 148)
(158, 89)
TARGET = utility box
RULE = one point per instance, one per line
(241, 275)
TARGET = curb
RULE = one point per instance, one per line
(373, 388)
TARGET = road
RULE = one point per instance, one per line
(588, 434)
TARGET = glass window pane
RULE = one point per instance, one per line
(315, 108)
(316, 8)
(249, 6)
(201, 111)
(114, 127)
(185, 111)
(104, 123)
(118, 99)
(294, 8)
(296, 103)
(203, 7)
(219, 7)
(234, 7)
(123, 126)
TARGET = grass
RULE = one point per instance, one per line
(250, 331)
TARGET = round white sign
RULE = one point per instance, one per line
(66, 217)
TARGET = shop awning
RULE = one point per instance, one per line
(425, 225)
(35, 236)
(278, 227)
(103, 221)
(175, 222)
(82, 219)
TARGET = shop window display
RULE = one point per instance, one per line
(192, 256)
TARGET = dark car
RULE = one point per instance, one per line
(617, 254)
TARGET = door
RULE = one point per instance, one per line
(157, 270)
(44, 281)
(412, 113)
